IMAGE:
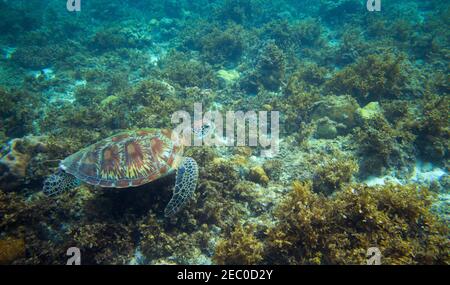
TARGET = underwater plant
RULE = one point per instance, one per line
(219, 46)
(16, 116)
(333, 174)
(312, 229)
(186, 72)
(382, 146)
(372, 78)
(241, 247)
(434, 127)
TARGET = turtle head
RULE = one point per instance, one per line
(59, 182)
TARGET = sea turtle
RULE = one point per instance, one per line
(130, 159)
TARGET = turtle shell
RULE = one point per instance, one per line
(126, 159)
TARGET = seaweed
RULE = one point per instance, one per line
(241, 247)
(382, 146)
(372, 78)
(312, 229)
(220, 46)
(433, 128)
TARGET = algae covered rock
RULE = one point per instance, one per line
(258, 175)
(326, 129)
(228, 76)
(15, 164)
(370, 111)
(340, 109)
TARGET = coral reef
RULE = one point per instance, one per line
(333, 175)
(373, 77)
(258, 175)
(363, 103)
(240, 248)
(23, 162)
(397, 219)
(218, 46)
(434, 128)
(383, 146)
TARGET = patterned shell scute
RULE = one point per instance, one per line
(125, 160)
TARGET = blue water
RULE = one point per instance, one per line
(362, 97)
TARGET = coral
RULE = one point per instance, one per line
(353, 45)
(218, 46)
(308, 74)
(16, 118)
(339, 109)
(239, 11)
(271, 67)
(326, 128)
(269, 73)
(373, 77)
(16, 165)
(37, 221)
(279, 31)
(370, 111)
(308, 32)
(94, 240)
(296, 109)
(339, 230)
(16, 21)
(158, 242)
(88, 95)
(245, 191)
(258, 175)
(188, 72)
(240, 247)
(38, 57)
(382, 146)
(273, 168)
(228, 76)
(333, 174)
(11, 249)
(337, 11)
(216, 183)
(305, 33)
(359, 94)
(112, 38)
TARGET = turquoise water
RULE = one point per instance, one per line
(355, 153)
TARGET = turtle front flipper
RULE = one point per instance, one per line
(186, 182)
(59, 182)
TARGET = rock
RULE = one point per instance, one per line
(228, 76)
(340, 109)
(370, 111)
(14, 164)
(326, 129)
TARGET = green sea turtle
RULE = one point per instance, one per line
(130, 159)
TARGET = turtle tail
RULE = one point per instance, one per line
(59, 182)
(185, 184)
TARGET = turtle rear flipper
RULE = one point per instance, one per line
(59, 182)
(185, 184)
